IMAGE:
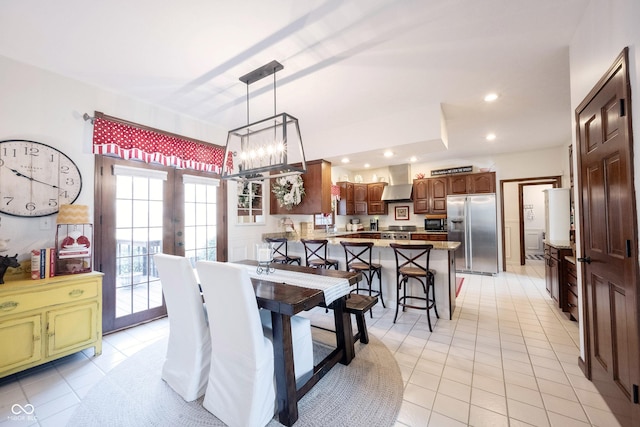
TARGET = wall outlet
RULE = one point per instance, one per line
(45, 223)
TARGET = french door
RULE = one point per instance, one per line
(142, 209)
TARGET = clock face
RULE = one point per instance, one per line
(35, 179)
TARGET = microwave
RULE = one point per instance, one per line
(435, 223)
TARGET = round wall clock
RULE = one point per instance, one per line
(35, 179)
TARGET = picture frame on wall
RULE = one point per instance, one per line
(402, 212)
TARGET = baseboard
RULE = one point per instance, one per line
(583, 367)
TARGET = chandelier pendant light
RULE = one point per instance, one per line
(263, 149)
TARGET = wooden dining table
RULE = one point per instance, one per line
(285, 300)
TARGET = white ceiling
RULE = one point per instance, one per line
(360, 75)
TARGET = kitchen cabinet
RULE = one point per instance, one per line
(360, 199)
(436, 237)
(483, 182)
(430, 195)
(375, 204)
(48, 319)
(458, 184)
(346, 204)
(317, 189)
(473, 183)
(353, 198)
(571, 288)
(554, 272)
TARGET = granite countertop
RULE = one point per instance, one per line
(558, 245)
(336, 238)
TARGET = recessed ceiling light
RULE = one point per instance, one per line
(491, 136)
(413, 159)
(345, 160)
(490, 97)
(366, 165)
(388, 153)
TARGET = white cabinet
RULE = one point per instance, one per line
(557, 216)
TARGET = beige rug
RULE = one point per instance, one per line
(368, 392)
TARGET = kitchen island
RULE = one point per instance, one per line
(442, 260)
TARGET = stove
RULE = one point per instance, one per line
(398, 232)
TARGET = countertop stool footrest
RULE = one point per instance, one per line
(358, 305)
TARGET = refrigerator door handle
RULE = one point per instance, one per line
(467, 232)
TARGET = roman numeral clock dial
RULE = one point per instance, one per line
(35, 179)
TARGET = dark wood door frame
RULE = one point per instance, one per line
(555, 183)
(556, 178)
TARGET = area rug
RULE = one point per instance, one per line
(459, 281)
(367, 392)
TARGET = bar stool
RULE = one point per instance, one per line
(412, 262)
(281, 251)
(358, 257)
(315, 254)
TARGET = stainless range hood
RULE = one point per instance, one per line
(400, 184)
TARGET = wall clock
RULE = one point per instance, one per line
(35, 179)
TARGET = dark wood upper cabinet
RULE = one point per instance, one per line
(421, 196)
(375, 204)
(360, 197)
(484, 182)
(473, 183)
(438, 199)
(346, 203)
(430, 195)
(317, 189)
(458, 184)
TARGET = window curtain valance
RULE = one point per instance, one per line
(130, 141)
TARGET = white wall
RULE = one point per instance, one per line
(606, 28)
(45, 107)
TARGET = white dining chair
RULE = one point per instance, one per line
(301, 340)
(240, 390)
(186, 367)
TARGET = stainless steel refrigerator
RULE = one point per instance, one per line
(472, 221)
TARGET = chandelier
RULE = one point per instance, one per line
(262, 149)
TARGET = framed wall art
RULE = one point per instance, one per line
(402, 212)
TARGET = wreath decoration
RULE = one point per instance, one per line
(289, 190)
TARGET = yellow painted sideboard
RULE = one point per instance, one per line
(43, 320)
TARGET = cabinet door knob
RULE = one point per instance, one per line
(586, 259)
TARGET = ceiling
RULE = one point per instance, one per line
(360, 75)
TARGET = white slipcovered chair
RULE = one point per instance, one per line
(186, 367)
(241, 389)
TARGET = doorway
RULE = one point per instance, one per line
(143, 209)
(512, 225)
(532, 217)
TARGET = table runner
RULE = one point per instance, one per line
(332, 287)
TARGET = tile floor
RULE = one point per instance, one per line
(507, 358)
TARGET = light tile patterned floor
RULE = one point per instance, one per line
(507, 358)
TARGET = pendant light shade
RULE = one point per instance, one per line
(263, 149)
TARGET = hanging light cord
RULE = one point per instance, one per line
(247, 104)
(274, 92)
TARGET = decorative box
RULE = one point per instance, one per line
(74, 238)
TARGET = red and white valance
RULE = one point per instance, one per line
(116, 138)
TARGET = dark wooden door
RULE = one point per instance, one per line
(609, 242)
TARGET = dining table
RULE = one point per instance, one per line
(289, 290)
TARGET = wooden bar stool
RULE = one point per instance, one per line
(412, 262)
(358, 257)
(281, 251)
(315, 254)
